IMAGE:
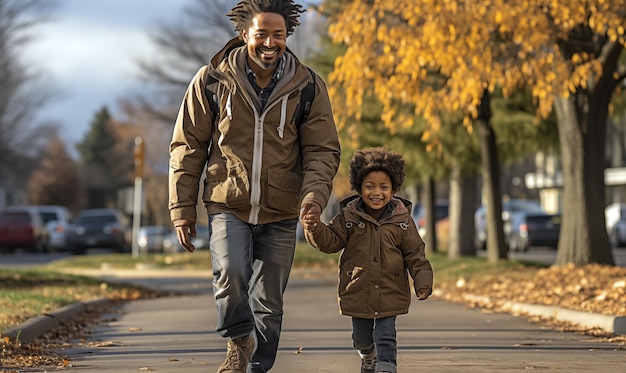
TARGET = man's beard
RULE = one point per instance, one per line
(262, 64)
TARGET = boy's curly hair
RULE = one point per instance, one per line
(376, 159)
(241, 15)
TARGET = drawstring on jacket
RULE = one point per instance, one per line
(283, 113)
(229, 106)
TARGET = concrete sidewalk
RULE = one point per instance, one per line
(176, 334)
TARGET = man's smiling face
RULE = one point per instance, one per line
(266, 39)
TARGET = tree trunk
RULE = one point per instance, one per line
(492, 193)
(582, 131)
(428, 203)
(463, 195)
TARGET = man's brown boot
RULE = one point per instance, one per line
(238, 353)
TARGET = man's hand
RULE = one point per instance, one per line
(185, 229)
(310, 215)
(422, 295)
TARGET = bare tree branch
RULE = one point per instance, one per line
(23, 89)
(185, 45)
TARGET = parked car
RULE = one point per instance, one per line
(22, 227)
(526, 225)
(57, 221)
(419, 215)
(201, 241)
(100, 228)
(615, 218)
(151, 238)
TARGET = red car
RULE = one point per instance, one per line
(22, 227)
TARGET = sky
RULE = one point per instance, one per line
(89, 50)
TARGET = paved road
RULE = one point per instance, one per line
(176, 335)
(548, 255)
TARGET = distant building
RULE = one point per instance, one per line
(12, 187)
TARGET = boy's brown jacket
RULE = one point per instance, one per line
(376, 257)
(257, 165)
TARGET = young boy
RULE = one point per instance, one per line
(380, 245)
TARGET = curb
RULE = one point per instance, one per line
(611, 324)
(37, 326)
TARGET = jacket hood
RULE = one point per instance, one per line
(221, 55)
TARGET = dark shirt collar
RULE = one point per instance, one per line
(264, 93)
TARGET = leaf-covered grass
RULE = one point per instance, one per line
(28, 293)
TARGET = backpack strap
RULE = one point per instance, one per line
(306, 98)
(211, 93)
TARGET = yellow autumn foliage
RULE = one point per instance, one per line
(440, 55)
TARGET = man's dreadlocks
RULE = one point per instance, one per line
(241, 15)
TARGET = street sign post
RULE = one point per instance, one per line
(139, 154)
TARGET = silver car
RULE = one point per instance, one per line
(57, 221)
(201, 241)
(150, 239)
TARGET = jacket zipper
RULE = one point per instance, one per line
(257, 158)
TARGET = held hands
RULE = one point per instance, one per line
(310, 215)
(185, 229)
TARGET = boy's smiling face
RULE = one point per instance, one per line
(376, 190)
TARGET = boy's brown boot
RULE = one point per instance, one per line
(238, 353)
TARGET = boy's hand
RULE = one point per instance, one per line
(422, 295)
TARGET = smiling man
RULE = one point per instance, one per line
(260, 125)
(266, 40)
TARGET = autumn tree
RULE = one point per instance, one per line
(567, 53)
(456, 159)
(56, 181)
